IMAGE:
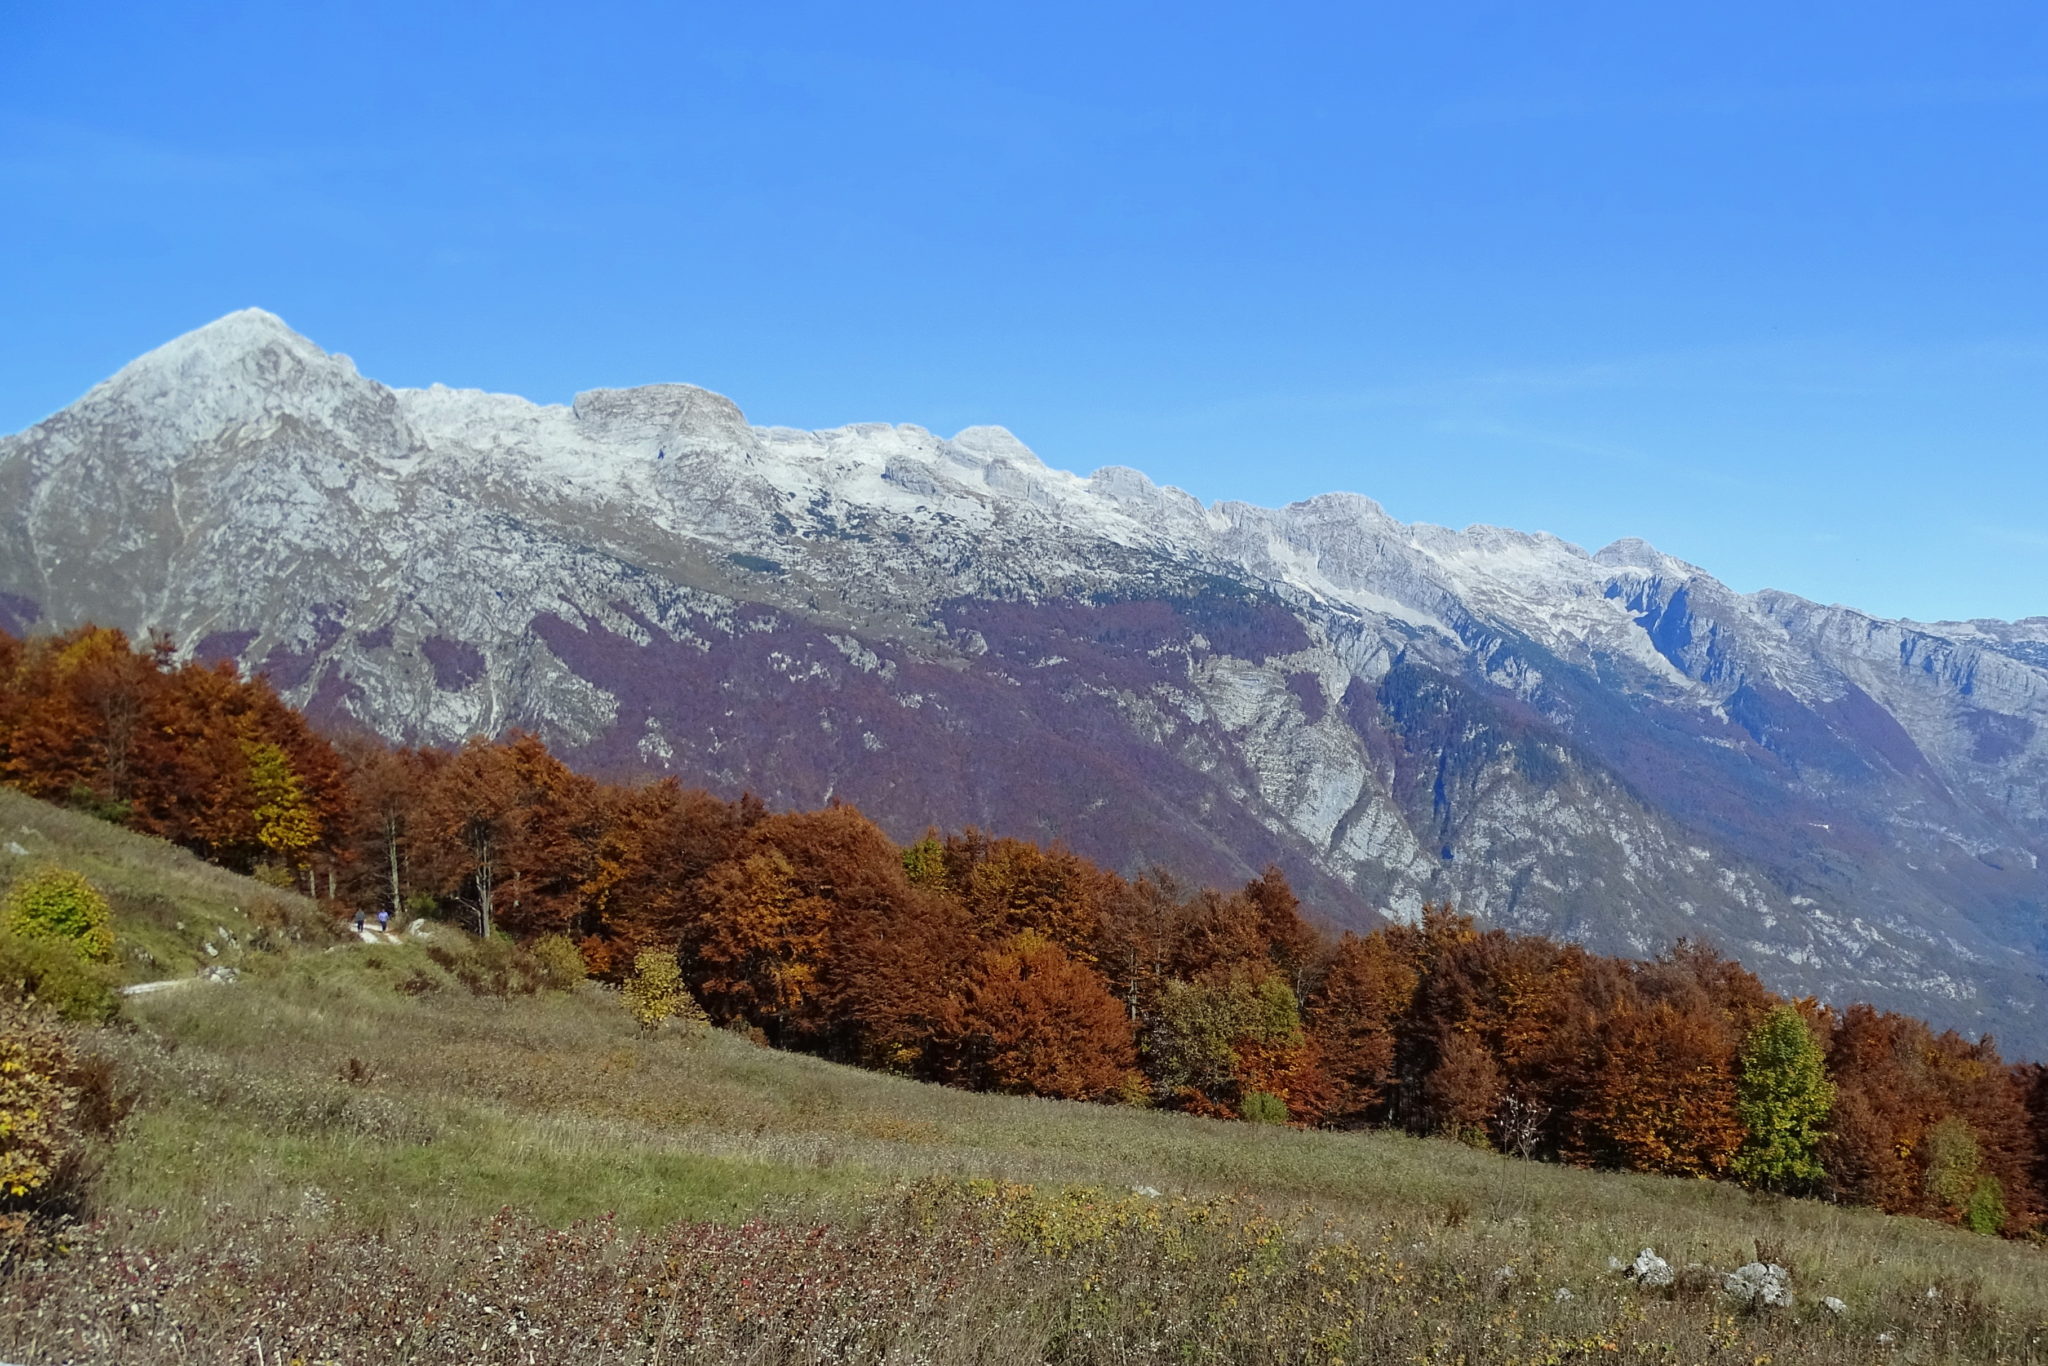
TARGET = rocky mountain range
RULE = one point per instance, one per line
(1612, 747)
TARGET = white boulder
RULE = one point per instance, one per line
(1649, 1269)
(1764, 1284)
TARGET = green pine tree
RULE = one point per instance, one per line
(1783, 1098)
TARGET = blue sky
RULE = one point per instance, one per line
(1766, 284)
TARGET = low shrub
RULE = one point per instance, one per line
(419, 983)
(1263, 1107)
(52, 973)
(57, 1106)
(489, 967)
(275, 875)
(655, 993)
(560, 961)
(56, 903)
(1985, 1211)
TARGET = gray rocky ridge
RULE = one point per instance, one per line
(1613, 747)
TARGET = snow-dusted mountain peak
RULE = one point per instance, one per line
(1161, 505)
(241, 344)
(1340, 509)
(1632, 552)
(240, 373)
(989, 444)
(245, 329)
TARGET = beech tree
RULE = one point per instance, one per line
(556, 829)
(1464, 1088)
(1897, 1082)
(470, 812)
(1011, 887)
(1957, 1181)
(1783, 1099)
(114, 686)
(1230, 1036)
(650, 859)
(894, 984)
(1663, 1096)
(285, 824)
(758, 945)
(1293, 945)
(1133, 941)
(1354, 1013)
(2031, 1079)
(1215, 936)
(51, 745)
(387, 784)
(1030, 1019)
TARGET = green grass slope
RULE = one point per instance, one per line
(342, 1095)
(168, 904)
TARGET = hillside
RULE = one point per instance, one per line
(170, 904)
(1611, 747)
(350, 1153)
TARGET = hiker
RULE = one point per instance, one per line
(360, 917)
(384, 920)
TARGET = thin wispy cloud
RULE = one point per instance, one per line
(2018, 537)
(1613, 453)
(1736, 101)
(1839, 367)
(45, 153)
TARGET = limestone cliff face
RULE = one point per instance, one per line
(1613, 747)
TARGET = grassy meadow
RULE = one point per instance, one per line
(402, 1153)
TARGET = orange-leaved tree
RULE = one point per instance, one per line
(1030, 1019)
(1011, 887)
(471, 814)
(1663, 1092)
(757, 946)
(1354, 1016)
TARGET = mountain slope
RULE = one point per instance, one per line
(1614, 747)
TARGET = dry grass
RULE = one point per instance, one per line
(348, 1155)
(938, 1274)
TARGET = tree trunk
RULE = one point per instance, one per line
(483, 889)
(391, 850)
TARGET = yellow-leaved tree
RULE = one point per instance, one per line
(286, 824)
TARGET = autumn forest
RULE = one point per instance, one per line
(991, 963)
